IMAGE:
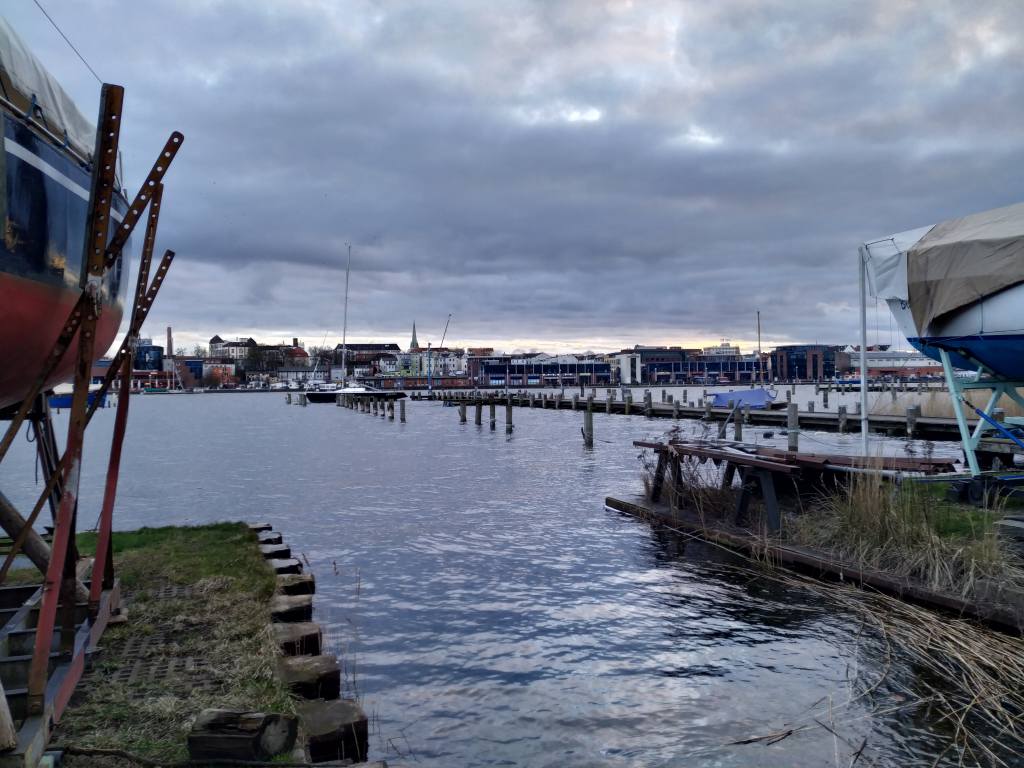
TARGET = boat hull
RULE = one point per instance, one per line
(45, 210)
(989, 332)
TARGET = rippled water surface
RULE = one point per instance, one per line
(489, 609)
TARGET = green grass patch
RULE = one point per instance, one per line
(215, 636)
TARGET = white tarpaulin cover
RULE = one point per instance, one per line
(948, 266)
(25, 74)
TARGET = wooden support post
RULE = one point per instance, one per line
(492, 416)
(608, 404)
(478, 416)
(842, 419)
(707, 410)
(793, 427)
(588, 428)
(508, 417)
(659, 477)
(911, 421)
(663, 396)
(391, 410)
(401, 411)
(675, 410)
(824, 399)
(810, 406)
(789, 396)
(648, 405)
(737, 424)
(462, 413)
(627, 403)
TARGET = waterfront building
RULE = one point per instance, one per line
(884, 362)
(808, 361)
(537, 369)
(148, 356)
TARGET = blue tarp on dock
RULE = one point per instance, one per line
(755, 398)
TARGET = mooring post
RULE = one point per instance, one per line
(302, 399)
(810, 406)
(675, 410)
(575, 402)
(789, 396)
(664, 394)
(746, 414)
(607, 404)
(824, 399)
(911, 421)
(842, 418)
(401, 411)
(707, 410)
(856, 408)
(737, 424)
(793, 426)
(648, 405)
(288, 398)
(588, 428)
(391, 410)
(491, 415)
(337, 400)
(383, 407)
(478, 417)
(462, 413)
(892, 392)
(508, 417)
(685, 398)
(627, 403)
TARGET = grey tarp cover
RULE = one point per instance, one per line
(963, 260)
(23, 72)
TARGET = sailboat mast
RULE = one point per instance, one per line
(344, 327)
(760, 360)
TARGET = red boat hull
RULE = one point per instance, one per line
(32, 315)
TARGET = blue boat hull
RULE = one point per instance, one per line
(1003, 354)
(64, 400)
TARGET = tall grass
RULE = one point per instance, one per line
(909, 530)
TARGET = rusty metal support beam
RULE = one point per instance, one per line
(60, 580)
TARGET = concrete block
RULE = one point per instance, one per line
(289, 565)
(276, 551)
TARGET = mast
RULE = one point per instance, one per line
(760, 360)
(344, 326)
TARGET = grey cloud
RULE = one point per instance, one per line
(741, 151)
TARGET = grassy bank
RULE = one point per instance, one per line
(197, 636)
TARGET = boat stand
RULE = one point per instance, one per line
(982, 483)
(49, 630)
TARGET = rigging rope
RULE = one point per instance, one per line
(66, 40)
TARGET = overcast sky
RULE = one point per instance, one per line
(557, 175)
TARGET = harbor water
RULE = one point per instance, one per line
(490, 611)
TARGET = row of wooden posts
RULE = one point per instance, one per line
(377, 406)
(738, 416)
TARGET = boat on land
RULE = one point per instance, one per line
(957, 287)
(754, 398)
(46, 174)
(329, 394)
(61, 396)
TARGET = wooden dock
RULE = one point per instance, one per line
(911, 424)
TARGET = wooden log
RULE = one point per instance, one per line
(285, 608)
(336, 730)
(300, 638)
(311, 677)
(228, 734)
(296, 584)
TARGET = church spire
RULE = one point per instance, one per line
(414, 344)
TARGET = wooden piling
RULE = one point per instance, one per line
(842, 419)
(462, 413)
(588, 428)
(792, 427)
(911, 420)
(810, 406)
(648, 405)
(508, 417)
(737, 424)
(478, 416)
(824, 399)
(675, 410)
(627, 403)
(391, 410)
(491, 415)
(401, 411)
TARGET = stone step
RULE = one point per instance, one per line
(269, 537)
(260, 527)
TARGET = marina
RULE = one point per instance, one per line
(656, 491)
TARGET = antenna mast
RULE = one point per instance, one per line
(344, 327)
